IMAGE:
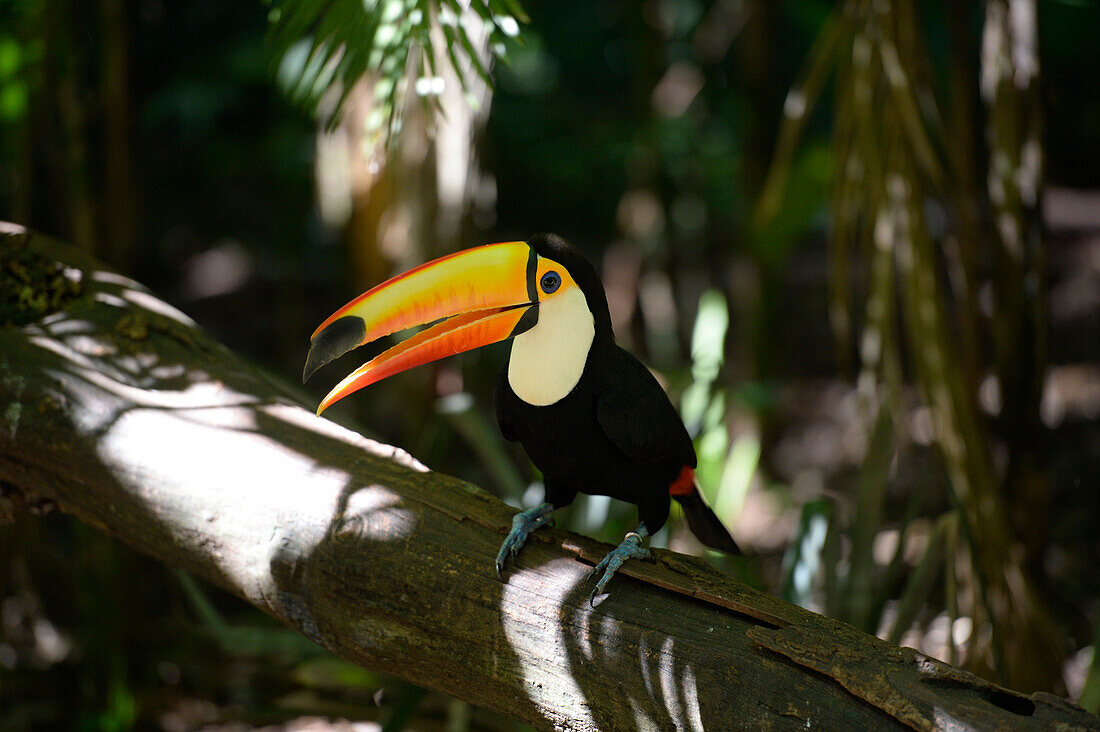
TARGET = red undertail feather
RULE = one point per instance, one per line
(702, 521)
(684, 484)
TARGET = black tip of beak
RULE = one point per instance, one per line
(334, 341)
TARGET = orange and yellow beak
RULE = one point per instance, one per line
(483, 295)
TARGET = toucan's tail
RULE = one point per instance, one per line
(704, 524)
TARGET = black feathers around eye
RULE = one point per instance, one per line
(550, 282)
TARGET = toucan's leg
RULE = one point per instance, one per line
(523, 523)
(630, 548)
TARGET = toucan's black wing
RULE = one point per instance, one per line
(506, 429)
(637, 416)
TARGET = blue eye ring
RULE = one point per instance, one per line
(550, 282)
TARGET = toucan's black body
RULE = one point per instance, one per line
(616, 433)
(591, 416)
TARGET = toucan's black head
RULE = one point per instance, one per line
(553, 247)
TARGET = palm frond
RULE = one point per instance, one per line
(322, 48)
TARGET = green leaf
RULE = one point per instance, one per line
(318, 45)
(803, 558)
(513, 8)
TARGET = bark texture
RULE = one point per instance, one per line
(116, 408)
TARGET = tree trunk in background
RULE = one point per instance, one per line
(67, 162)
(971, 235)
(756, 67)
(117, 199)
(81, 175)
(1010, 86)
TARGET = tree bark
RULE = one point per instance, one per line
(118, 409)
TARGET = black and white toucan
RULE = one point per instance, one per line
(590, 416)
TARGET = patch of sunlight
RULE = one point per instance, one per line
(304, 419)
(198, 395)
(583, 633)
(148, 302)
(168, 372)
(113, 278)
(62, 324)
(667, 676)
(642, 721)
(374, 513)
(680, 706)
(547, 676)
(943, 719)
(691, 698)
(109, 298)
(644, 663)
(610, 633)
(212, 462)
(81, 340)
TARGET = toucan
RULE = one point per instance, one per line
(590, 416)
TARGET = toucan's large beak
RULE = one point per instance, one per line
(484, 294)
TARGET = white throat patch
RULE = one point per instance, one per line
(548, 360)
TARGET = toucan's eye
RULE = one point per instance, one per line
(550, 282)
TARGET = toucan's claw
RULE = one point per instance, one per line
(630, 548)
(523, 523)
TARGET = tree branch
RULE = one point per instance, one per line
(117, 408)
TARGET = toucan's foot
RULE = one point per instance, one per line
(630, 548)
(523, 523)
